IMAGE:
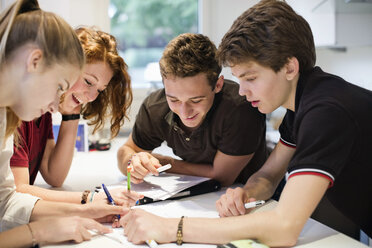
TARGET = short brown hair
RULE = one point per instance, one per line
(115, 100)
(188, 55)
(269, 33)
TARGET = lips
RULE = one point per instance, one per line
(191, 118)
(255, 103)
(76, 99)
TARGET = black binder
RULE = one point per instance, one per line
(201, 188)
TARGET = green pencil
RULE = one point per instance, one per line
(129, 170)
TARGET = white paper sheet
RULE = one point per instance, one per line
(163, 186)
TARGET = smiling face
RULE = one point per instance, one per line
(191, 98)
(93, 80)
(40, 92)
(265, 89)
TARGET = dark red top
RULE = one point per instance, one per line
(33, 138)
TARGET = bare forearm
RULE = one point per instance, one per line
(186, 168)
(44, 209)
(50, 195)
(60, 159)
(16, 238)
(259, 187)
(269, 228)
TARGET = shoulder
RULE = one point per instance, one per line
(156, 102)
(231, 103)
(230, 93)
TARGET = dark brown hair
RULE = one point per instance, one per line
(269, 33)
(188, 55)
(115, 100)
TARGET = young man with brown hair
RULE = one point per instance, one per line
(325, 140)
(201, 117)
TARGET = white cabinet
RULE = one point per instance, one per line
(337, 23)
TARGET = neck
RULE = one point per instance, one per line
(7, 86)
(291, 99)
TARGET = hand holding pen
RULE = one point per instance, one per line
(109, 198)
(143, 164)
(236, 201)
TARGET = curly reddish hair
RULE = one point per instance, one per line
(115, 100)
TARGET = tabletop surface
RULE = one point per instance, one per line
(94, 168)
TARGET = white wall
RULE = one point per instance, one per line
(80, 12)
(354, 65)
(76, 12)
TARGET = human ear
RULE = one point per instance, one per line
(219, 84)
(292, 68)
(34, 60)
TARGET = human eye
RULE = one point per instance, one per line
(87, 82)
(196, 101)
(174, 100)
(250, 79)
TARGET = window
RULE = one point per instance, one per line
(144, 28)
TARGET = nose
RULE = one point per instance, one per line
(185, 110)
(244, 91)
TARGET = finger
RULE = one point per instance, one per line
(133, 195)
(116, 223)
(85, 235)
(90, 224)
(136, 180)
(147, 162)
(137, 163)
(130, 230)
(218, 208)
(223, 209)
(238, 199)
(154, 165)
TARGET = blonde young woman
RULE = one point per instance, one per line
(102, 91)
(40, 59)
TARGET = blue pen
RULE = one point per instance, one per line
(109, 198)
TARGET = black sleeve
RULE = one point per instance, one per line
(325, 139)
(145, 134)
(286, 130)
(243, 130)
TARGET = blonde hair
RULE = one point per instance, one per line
(24, 22)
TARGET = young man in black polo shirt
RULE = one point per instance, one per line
(201, 116)
(325, 138)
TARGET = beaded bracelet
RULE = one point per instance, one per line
(179, 232)
(84, 196)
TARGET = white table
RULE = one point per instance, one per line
(91, 169)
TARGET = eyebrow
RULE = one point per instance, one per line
(92, 76)
(244, 73)
(194, 97)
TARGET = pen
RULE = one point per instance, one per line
(254, 204)
(164, 168)
(151, 243)
(109, 198)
